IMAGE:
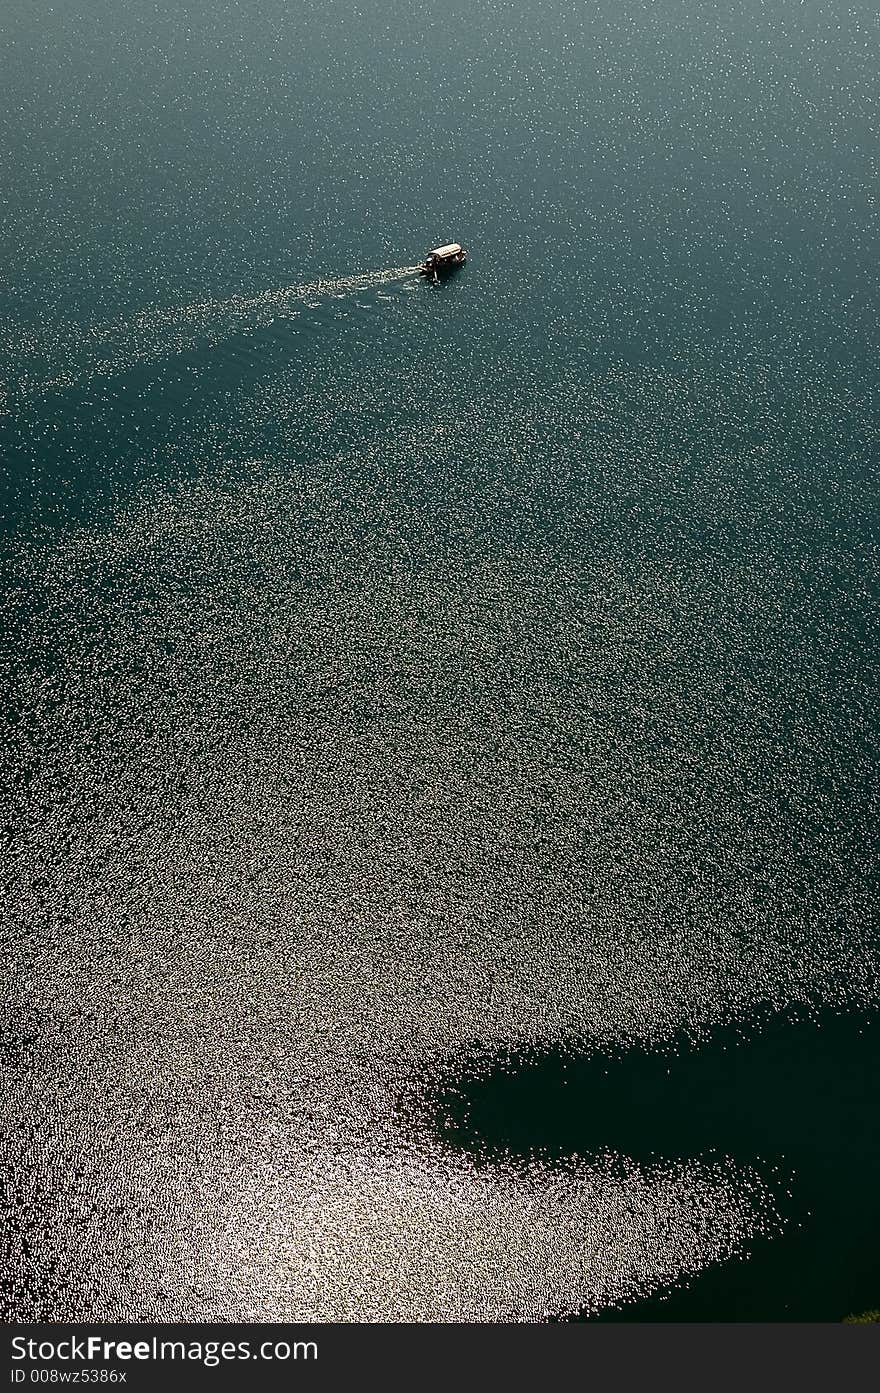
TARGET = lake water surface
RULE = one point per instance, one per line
(440, 723)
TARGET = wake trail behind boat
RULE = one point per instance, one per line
(68, 355)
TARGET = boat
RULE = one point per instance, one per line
(443, 259)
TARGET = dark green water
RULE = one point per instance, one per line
(799, 1095)
(440, 722)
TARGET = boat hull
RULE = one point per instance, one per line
(443, 266)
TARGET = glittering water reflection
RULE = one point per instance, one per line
(400, 682)
(300, 821)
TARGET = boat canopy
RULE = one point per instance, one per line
(451, 249)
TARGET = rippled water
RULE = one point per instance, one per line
(441, 722)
